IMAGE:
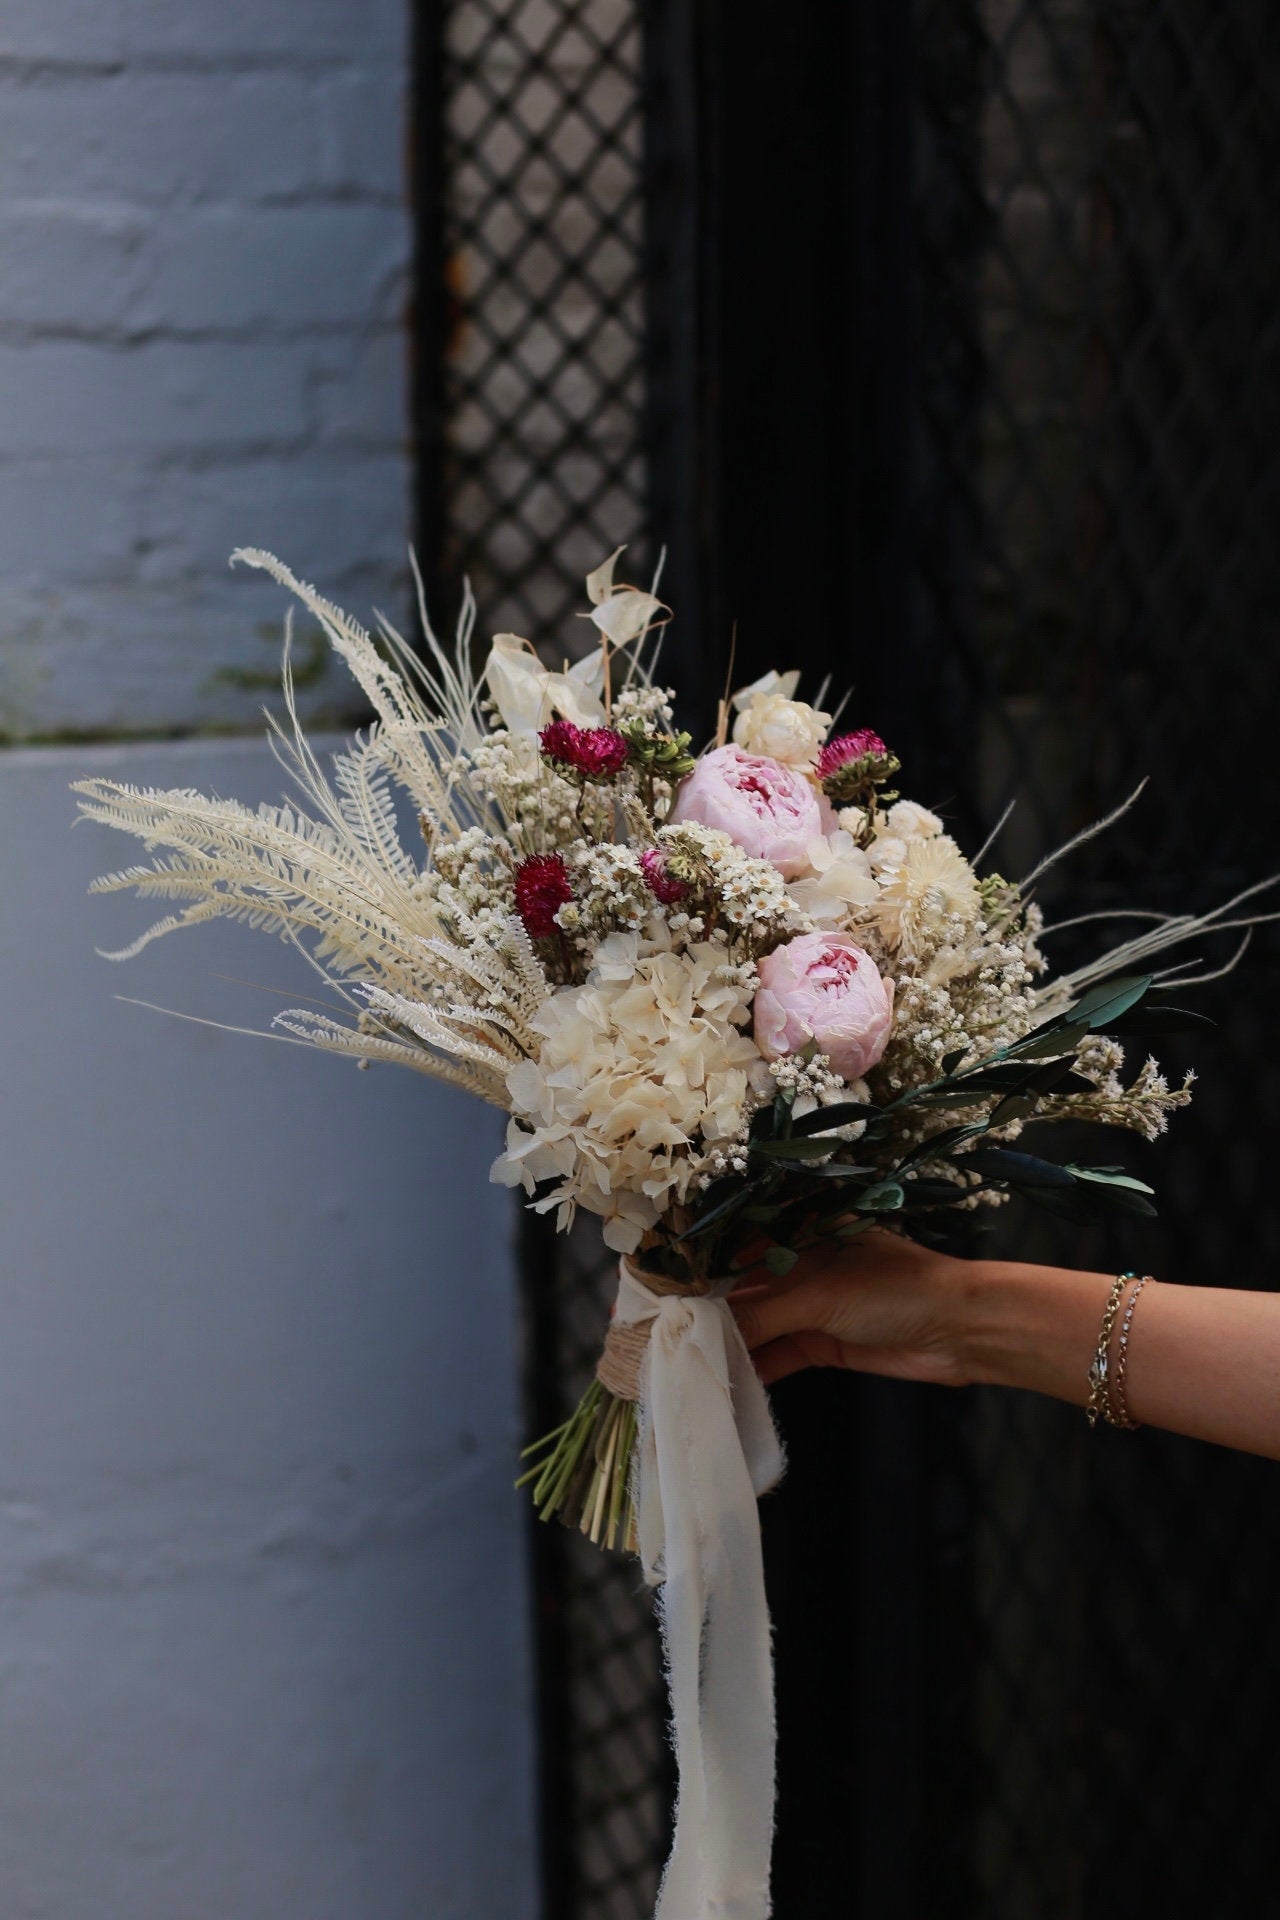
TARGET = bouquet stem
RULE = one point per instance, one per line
(582, 1470)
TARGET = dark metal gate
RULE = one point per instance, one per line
(939, 342)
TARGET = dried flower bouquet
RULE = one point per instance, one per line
(733, 1002)
(738, 1000)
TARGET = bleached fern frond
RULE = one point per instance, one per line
(421, 742)
(331, 1036)
(453, 1031)
(272, 866)
(425, 984)
(363, 787)
(457, 998)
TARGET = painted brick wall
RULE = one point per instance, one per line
(203, 269)
(263, 1619)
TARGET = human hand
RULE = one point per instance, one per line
(878, 1304)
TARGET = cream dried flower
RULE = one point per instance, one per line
(771, 722)
(933, 885)
(838, 884)
(908, 820)
(642, 1072)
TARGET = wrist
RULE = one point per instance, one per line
(979, 1318)
(1019, 1325)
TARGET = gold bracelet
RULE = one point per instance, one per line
(1099, 1401)
(1119, 1414)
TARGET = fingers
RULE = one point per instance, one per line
(778, 1358)
(763, 1317)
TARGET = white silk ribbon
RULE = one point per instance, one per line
(707, 1449)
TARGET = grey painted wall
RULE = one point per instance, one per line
(204, 247)
(262, 1588)
(262, 1605)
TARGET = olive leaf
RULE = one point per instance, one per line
(780, 1260)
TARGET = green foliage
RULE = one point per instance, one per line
(804, 1182)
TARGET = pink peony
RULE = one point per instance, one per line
(771, 811)
(821, 987)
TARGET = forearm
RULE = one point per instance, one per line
(1203, 1361)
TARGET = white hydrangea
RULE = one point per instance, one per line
(643, 1071)
(838, 884)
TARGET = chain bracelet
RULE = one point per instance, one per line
(1119, 1414)
(1099, 1401)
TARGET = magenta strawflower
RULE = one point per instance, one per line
(663, 884)
(602, 753)
(559, 741)
(593, 753)
(848, 747)
(542, 888)
(852, 770)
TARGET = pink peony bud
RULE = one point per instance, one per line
(542, 888)
(663, 884)
(821, 987)
(771, 811)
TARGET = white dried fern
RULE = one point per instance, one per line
(436, 993)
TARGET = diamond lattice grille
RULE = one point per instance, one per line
(544, 474)
(544, 383)
(1097, 442)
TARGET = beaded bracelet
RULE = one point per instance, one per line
(1119, 1414)
(1107, 1384)
(1099, 1401)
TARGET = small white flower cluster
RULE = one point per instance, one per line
(610, 894)
(472, 882)
(747, 897)
(647, 705)
(812, 1082)
(1143, 1106)
(540, 806)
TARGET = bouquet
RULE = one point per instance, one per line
(734, 1002)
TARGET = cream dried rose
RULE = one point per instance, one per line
(771, 722)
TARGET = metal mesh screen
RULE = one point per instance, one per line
(545, 470)
(1096, 478)
(1090, 584)
(544, 473)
